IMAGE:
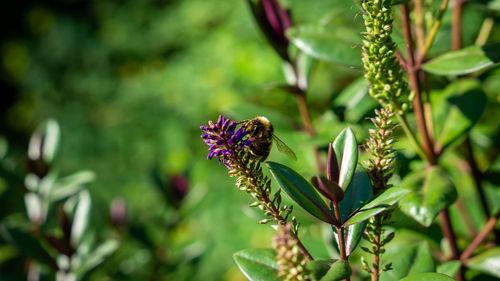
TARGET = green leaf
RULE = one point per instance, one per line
(384, 200)
(96, 257)
(464, 61)
(355, 101)
(44, 141)
(26, 244)
(318, 268)
(487, 261)
(428, 277)
(449, 268)
(358, 193)
(340, 270)
(70, 185)
(432, 191)
(346, 149)
(257, 264)
(353, 234)
(409, 260)
(81, 218)
(301, 191)
(327, 44)
(458, 109)
(398, 2)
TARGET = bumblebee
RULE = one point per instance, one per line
(261, 131)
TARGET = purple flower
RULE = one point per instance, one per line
(224, 140)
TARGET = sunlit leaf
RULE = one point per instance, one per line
(340, 270)
(70, 185)
(81, 218)
(487, 261)
(449, 268)
(412, 259)
(257, 264)
(428, 277)
(318, 268)
(326, 44)
(96, 257)
(300, 190)
(432, 191)
(464, 61)
(346, 149)
(378, 204)
(458, 109)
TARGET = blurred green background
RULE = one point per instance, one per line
(129, 83)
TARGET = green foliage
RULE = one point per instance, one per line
(321, 43)
(346, 151)
(459, 107)
(411, 259)
(257, 264)
(487, 261)
(340, 270)
(432, 191)
(465, 61)
(428, 276)
(300, 191)
(377, 205)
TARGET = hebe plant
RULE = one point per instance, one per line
(359, 201)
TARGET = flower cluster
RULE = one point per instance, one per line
(382, 68)
(379, 145)
(291, 262)
(225, 140)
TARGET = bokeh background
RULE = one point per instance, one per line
(129, 83)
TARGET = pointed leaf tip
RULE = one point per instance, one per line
(300, 191)
(346, 149)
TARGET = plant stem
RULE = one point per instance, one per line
(432, 34)
(305, 115)
(415, 87)
(447, 229)
(340, 233)
(376, 249)
(419, 22)
(456, 27)
(490, 225)
(270, 205)
(485, 30)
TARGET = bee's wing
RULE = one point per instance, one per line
(282, 147)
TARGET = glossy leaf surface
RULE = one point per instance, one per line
(340, 270)
(487, 261)
(458, 108)
(377, 205)
(409, 260)
(346, 150)
(97, 256)
(324, 44)
(464, 61)
(428, 277)
(318, 268)
(432, 191)
(300, 190)
(257, 264)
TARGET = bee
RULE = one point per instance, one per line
(262, 132)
